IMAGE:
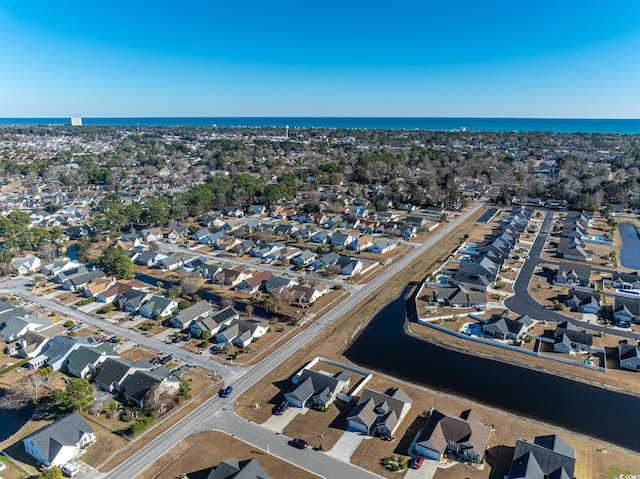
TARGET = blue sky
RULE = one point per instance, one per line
(571, 59)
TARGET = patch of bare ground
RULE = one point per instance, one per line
(198, 453)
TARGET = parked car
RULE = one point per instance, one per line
(69, 469)
(226, 392)
(299, 443)
(418, 461)
(282, 407)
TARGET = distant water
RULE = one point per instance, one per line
(630, 251)
(555, 125)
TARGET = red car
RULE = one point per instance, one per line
(418, 461)
(299, 443)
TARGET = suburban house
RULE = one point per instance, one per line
(460, 296)
(241, 332)
(502, 327)
(629, 356)
(215, 322)
(186, 317)
(132, 300)
(256, 210)
(28, 346)
(342, 239)
(97, 285)
(158, 307)
(464, 435)
(305, 257)
(54, 353)
(573, 274)
(568, 338)
(78, 281)
(233, 469)
(151, 235)
(65, 274)
(26, 264)
(255, 283)
(573, 249)
(584, 301)
(137, 386)
(546, 457)
(306, 294)
(379, 414)
(362, 243)
(231, 277)
(624, 280)
(148, 258)
(276, 283)
(113, 372)
(61, 441)
(626, 311)
(318, 388)
(169, 264)
(117, 290)
(350, 266)
(85, 360)
(59, 265)
(382, 247)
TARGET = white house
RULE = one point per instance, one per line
(25, 264)
(61, 441)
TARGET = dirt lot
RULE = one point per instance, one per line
(195, 456)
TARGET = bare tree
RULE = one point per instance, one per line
(26, 390)
(226, 301)
(249, 310)
(159, 399)
(189, 282)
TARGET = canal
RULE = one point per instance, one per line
(630, 251)
(384, 346)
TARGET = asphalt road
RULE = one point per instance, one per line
(523, 303)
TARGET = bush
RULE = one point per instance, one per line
(106, 308)
(184, 304)
(68, 323)
(142, 423)
(337, 286)
(146, 327)
(86, 301)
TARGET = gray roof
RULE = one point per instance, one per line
(567, 330)
(194, 311)
(547, 456)
(374, 407)
(66, 431)
(233, 469)
(113, 370)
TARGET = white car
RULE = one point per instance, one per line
(69, 469)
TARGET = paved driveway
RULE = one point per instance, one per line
(427, 471)
(278, 423)
(347, 445)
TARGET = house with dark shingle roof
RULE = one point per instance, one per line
(502, 326)
(215, 322)
(461, 297)
(626, 310)
(318, 387)
(546, 457)
(61, 441)
(463, 435)
(629, 356)
(584, 301)
(233, 469)
(136, 386)
(573, 274)
(568, 338)
(379, 414)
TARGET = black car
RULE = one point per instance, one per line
(299, 443)
(279, 411)
(226, 392)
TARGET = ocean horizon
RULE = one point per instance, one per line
(554, 125)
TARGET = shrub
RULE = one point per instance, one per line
(142, 423)
(106, 308)
(86, 301)
(146, 327)
(68, 323)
